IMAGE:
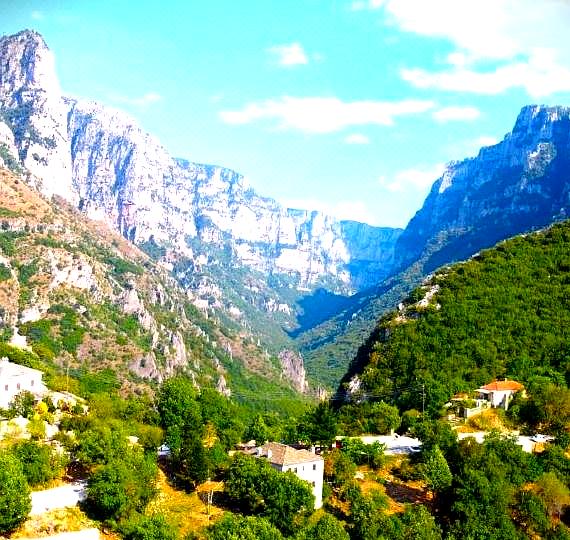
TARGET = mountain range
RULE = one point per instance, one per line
(292, 280)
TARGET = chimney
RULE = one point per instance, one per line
(313, 449)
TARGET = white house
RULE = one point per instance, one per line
(500, 393)
(306, 465)
(15, 378)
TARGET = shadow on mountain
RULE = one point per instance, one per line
(316, 308)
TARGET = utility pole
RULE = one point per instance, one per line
(423, 398)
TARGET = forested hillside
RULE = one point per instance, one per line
(503, 313)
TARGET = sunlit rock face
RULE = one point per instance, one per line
(32, 106)
(521, 183)
(102, 161)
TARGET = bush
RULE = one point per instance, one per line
(149, 528)
(15, 502)
(39, 463)
(122, 487)
(233, 527)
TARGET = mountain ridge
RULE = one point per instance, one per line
(517, 185)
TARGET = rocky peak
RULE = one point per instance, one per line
(27, 65)
(538, 121)
(520, 183)
(32, 107)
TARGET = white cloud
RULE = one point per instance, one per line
(448, 114)
(349, 210)
(486, 140)
(289, 55)
(324, 114)
(528, 44)
(413, 179)
(143, 101)
(37, 15)
(540, 75)
(356, 138)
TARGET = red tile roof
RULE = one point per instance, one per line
(503, 385)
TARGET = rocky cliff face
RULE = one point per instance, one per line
(102, 161)
(32, 108)
(519, 184)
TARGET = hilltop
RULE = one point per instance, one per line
(503, 313)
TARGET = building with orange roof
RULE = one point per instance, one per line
(500, 393)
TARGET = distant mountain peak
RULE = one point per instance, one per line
(28, 64)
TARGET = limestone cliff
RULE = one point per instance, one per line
(100, 159)
(518, 184)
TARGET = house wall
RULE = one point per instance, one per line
(10, 387)
(501, 398)
(311, 472)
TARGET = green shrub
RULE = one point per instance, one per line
(15, 502)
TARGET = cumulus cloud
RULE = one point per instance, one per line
(528, 46)
(325, 114)
(289, 55)
(449, 114)
(540, 75)
(356, 138)
(413, 178)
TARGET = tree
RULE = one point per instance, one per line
(191, 463)
(256, 430)
(15, 502)
(23, 404)
(258, 488)
(339, 468)
(39, 463)
(419, 524)
(242, 482)
(436, 470)
(178, 409)
(326, 528)
(232, 527)
(383, 418)
(100, 445)
(319, 425)
(553, 492)
(121, 487)
(285, 496)
(149, 528)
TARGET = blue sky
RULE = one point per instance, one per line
(349, 106)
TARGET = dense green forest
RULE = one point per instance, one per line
(503, 313)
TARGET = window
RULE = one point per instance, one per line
(295, 469)
(314, 466)
(32, 382)
(18, 386)
(313, 484)
(6, 387)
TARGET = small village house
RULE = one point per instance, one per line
(15, 378)
(500, 393)
(306, 465)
